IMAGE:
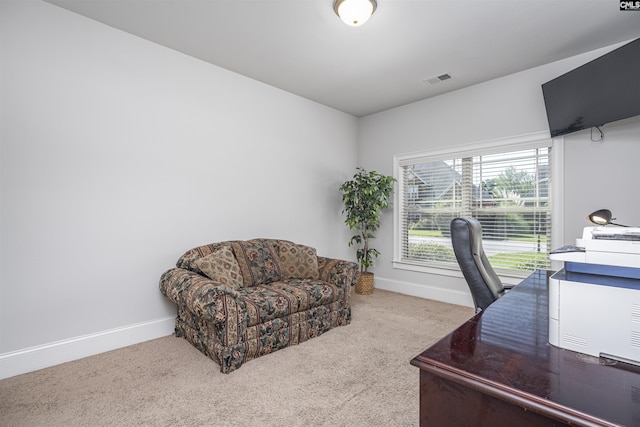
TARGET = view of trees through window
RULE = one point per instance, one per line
(507, 192)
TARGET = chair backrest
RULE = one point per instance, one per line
(484, 283)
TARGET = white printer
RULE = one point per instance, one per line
(594, 301)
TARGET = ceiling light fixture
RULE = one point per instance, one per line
(354, 12)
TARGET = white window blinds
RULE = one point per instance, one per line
(508, 192)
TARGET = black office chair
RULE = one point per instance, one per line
(485, 286)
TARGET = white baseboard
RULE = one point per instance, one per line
(425, 291)
(46, 355)
(42, 356)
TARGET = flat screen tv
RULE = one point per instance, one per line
(599, 92)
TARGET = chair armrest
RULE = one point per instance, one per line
(202, 296)
(338, 272)
(506, 288)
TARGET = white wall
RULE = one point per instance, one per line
(602, 175)
(117, 156)
(501, 108)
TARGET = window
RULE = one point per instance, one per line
(506, 187)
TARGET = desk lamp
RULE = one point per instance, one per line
(603, 217)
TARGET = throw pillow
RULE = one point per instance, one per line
(258, 261)
(298, 261)
(221, 266)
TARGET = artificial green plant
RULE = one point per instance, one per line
(364, 197)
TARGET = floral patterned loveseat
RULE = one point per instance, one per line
(238, 300)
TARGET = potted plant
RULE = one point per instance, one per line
(364, 197)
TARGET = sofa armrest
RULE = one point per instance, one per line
(337, 271)
(202, 296)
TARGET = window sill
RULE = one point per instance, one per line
(441, 271)
(450, 272)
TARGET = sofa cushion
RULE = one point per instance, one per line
(221, 266)
(263, 303)
(188, 259)
(308, 293)
(258, 261)
(283, 298)
(297, 261)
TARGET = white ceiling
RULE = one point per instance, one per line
(302, 47)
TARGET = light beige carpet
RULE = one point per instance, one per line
(357, 375)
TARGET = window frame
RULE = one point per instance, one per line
(516, 143)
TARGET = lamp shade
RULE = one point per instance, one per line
(355, 12)
(600, 217)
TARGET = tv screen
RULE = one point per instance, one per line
(601, 91)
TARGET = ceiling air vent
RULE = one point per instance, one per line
(437, 79)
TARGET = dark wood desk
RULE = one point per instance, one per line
(498, 369)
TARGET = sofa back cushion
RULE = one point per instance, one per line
(297, 261)
(189, 258)
(221, 266)
(258, 261)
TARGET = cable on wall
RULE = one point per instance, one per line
(601, 134)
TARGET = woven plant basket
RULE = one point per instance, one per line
(364, 286)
